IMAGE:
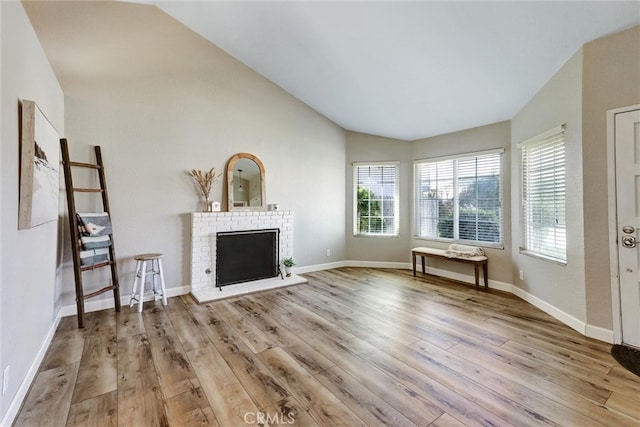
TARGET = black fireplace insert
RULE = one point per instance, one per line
(243, 256)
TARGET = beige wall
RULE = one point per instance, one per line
(558, 102)
(487, 137)
(611, 79)
(29, 302)
(361, 148)
(195, 110)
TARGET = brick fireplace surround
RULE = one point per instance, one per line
(205, 225)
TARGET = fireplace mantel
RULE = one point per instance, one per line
(205, 225)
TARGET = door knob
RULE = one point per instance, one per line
(627, 229)
(629, 242)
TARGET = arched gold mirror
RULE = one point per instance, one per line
(245, 181)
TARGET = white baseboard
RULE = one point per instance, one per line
(551, 310)
(601, 334)
(378, 264)
(320, 267)
(103, 304)
(25, 385)
(595, 332)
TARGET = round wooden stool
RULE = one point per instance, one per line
(155, 271)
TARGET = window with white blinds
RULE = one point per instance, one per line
(375, 199)
(459, 198)
(543, 220)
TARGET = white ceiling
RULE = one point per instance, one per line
(406, 70)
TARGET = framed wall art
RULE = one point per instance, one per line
(39, 168)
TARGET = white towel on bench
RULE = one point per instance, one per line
(463, 251)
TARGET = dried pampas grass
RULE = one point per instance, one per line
(205, 180)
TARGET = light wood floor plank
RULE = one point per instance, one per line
(98, 373)
(490, 388)
(129, 322)
(545, 372)
(297, 318)
(446, 420)
(226, 395)
(628, 405)
(558, 336)
(156, 321)
(490, 405)
(323, 406)
(403, 323)
(552, 348)
(261, 385)
(140, 400)
(599, 379)
(302, 352)
(360, 321)
(188, 329)
(250, 334)
(365, 404)
(553, 390)
(98, 411)
(288, 411)
(66, 348)
(174, 372)
(451, 400)
(412, 402)
(190, 408)
(49, 399)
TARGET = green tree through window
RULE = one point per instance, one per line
(376, 199)
(460, 198)
(369, 212)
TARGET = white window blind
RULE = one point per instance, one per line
(543, 220)
(459, 198)
(375, 197)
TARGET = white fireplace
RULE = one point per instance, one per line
(204, 229)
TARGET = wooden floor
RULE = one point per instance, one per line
(353, 347)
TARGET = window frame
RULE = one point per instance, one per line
(553, 137)
(396, 198)
(456, 211)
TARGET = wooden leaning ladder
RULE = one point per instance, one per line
(75, 234)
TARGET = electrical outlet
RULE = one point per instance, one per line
(328, 252)
(521, 275)
(5, 380)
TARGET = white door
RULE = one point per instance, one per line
(627, 146)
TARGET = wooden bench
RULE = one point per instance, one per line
(477, 261)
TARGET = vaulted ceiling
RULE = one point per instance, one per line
(405, 70)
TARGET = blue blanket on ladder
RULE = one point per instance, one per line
(94, 224)
(95, 242)
(95, 230)
(94, 256)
